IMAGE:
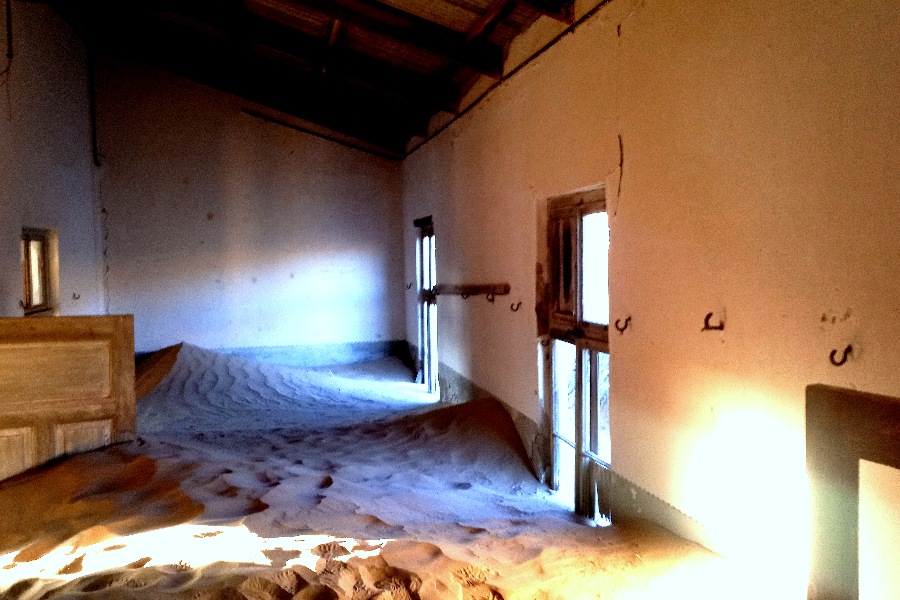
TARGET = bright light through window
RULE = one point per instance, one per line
(596, 267)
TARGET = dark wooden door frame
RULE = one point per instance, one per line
(842, 427)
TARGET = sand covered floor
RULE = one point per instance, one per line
(264, 482)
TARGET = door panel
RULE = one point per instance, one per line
(66, 385)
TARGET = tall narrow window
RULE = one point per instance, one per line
(38, 271)
(426, 279)
(578, 245)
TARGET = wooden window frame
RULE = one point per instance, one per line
(48, 270)
(566, 323)
(566, 319)
(427, 358)
(843, 426)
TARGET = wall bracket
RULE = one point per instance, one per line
(466, 290)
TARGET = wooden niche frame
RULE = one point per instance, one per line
(842, 427)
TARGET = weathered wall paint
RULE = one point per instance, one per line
(759, 182)
(228, 231)
(46, 167)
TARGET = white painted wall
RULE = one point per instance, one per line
(45, 159)
(228, 231)
(760, 182)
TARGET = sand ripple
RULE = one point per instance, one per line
(211, 391)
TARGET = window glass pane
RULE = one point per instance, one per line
(432, 261)
(564, 388)
(566, 464)
(565, 276)
(426, 271)
(602, 447)
(596, 268)
(36, 274)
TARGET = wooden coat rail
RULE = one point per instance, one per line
(489, 289)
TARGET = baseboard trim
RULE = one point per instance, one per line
(320, 355)
(628, 500)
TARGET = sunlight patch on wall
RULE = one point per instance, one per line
(754, 499)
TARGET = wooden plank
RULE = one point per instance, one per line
(79, 437)
(488, 22)
(40, 371)
(842, 427)
(66, 385)
(384, 20)
(561, 10)
(363, 110)
(17, 450)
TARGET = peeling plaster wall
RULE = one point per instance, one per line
(227, 231)
(46, 165)
(760, 182)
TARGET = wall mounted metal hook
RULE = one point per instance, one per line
(708, 327)
(515, 307)
(408, 285)
(621, 328)
(847, 352)
(464, 296)
(490, 298)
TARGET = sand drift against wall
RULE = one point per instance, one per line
(314, 484)
(211, 391)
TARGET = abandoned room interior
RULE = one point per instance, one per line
(644, 252)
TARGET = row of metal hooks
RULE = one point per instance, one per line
(514, 307)
(621, 326)
(490, 292)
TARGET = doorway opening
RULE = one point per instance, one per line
(426, 279)
(576, 351)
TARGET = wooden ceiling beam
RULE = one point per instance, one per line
(380, 19)
(330, 48)
(561, 10)
(380, 120)
(340, 61)
(259, 32)
(489, 21)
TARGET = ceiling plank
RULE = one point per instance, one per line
(339, 61)
(488, 22)
(336, 104)
(483, 57)
(330, 48)
(561, 10)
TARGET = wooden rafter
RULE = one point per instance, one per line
(338, 105)
(488, 22)
(561, 10)
(369, 69)
(373, 74)
(327, 55)
(409, 29)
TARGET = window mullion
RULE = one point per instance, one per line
(578, 270)
(581, 465)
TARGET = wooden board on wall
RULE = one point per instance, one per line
(66, 386)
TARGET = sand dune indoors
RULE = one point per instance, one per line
(264, 482)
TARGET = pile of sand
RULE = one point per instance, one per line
(299, 483)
